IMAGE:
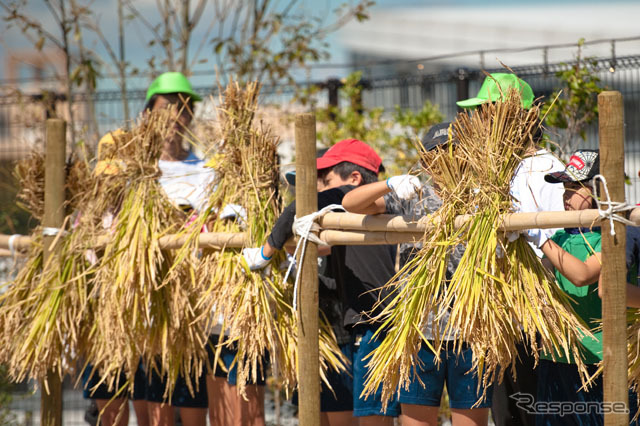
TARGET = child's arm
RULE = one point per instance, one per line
(633, 296)
(578, 272)
(367, 199)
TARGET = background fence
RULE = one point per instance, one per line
(22, 118)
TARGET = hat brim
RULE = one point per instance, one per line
(558, 177)
(471, 102)
(290, 177)
(192, 95)
(326, 162)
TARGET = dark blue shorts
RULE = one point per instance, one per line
(372, 406)
(454, 370)
(340, 396)
(181, 396)
(90, 391)
(227, 356)
(560, 383)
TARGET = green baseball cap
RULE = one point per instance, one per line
(171, 82)
(495, 86)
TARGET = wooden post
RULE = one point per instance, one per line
(306, 203)
(54, 195)
(614, 270)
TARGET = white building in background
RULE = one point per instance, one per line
(411, 33)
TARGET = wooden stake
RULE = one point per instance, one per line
(613, 277)
(54, 195)
(306, 203)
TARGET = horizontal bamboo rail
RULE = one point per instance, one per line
(511, 222)
(359, 229)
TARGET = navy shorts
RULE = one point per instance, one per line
(454, 370)
(91, 389)
(181, 396)
(560, 383)
(372, 406)
(340, 396)
(227, 356)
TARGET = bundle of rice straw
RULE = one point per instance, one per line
(633, 350)
(45, 312)
(256, 306)
(500, 294)
(145, 301)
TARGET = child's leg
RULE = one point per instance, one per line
(160, 414)
(375, 421)
(142, 412)
(251, 411)
(418, 415)
(113, 412)
(193, 416)
(472, 417)
(222, 401)
(338, 418)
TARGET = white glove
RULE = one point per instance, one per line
(404, 186)
(234, 211)
(254, 258)
(537, 236)
(512, 236)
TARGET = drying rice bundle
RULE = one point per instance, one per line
(633, 349)
(142, 309)
(256, 306)
(500, 294)
(30, 173)
(45, 311)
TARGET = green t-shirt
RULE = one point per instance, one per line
(586, 301)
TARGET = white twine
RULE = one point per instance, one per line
(304, 227)
(12, 249)
(52, 232)
(613, 207)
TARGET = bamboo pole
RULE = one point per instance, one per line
(367, 230)
(614, 270)
(54, 193)
(510, 221)
(306, 203)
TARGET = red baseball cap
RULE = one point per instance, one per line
(353, 151)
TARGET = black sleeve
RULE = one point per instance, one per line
(282, 231)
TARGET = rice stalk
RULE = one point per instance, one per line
(500, 295)
(143, 310)
(256, 306)
(45, 311)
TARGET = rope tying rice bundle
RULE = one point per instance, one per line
(613, 207)
(305, 228)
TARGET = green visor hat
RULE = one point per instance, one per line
(496, 86)
(171, 82)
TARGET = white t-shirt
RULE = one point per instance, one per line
(186, 182)
(531, 192)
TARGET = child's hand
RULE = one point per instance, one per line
(255, 258)
(537, 236)
(404, 186)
